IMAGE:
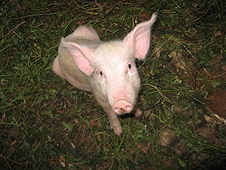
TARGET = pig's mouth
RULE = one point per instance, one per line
(122, 106)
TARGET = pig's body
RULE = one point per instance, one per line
(107, 69)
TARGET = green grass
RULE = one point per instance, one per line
(46, 121)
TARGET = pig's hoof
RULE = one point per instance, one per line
(116, 127)
(117, 131)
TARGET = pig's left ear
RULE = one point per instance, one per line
(81, 55)
(139, 38)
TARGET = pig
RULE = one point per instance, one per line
(107, 69)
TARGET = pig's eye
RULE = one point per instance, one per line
(129, 66)
(101, 73)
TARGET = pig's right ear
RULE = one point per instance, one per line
(81, 55)
(139, 38)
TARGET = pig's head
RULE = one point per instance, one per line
(115, 76)
(111, 66)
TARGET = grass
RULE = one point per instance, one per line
(48, 124)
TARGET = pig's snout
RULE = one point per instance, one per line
(122, 106)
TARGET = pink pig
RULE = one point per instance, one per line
(107, 69)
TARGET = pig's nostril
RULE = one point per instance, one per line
(122, 106)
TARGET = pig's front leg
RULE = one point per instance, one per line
(114, 123)
(113, 118)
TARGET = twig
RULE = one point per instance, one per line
(15, 28)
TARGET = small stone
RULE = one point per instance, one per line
(180, 148)
(209, 119)
(167, 137)
(138, 112)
